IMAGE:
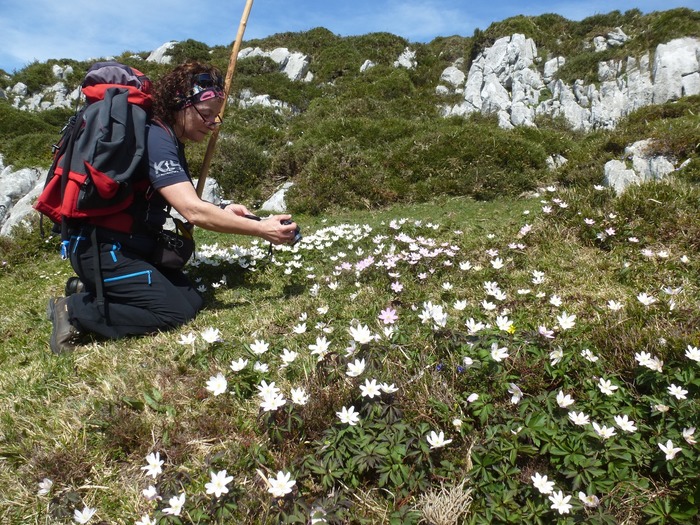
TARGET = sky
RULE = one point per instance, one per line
(38, 30)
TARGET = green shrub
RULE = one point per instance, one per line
(239, 168)
(190, 50)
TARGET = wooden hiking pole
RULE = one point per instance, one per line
(227, 87)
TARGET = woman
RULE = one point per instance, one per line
(139, 297)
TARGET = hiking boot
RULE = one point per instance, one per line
(64, 335)
(74, 285)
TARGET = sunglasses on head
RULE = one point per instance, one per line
(207, 80)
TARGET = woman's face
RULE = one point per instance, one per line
(195, 122)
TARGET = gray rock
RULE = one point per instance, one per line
(618, 176)
(453, 76)
(160, 55)
(276, 203)
(367, 64)
(672, 62)
(407, 59)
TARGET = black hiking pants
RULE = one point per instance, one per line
(139, 298)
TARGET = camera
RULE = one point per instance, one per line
(297, 230)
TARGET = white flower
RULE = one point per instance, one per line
(677, 392)
(591, 501)
(259, 347)
(281, 485)
(355, 368)
(388, 388)
(361, 334)
(566, 322)
(300, 328)
(498, 354)
(625, 424)
(473, 326)
(370, 388)
(669, 449)
(83, 516)
(542, 484)
(217, 384)
(146, 520)
(349, 416)
(467, 362)
(272, 402)
(288, 357)
(472, 398)
(504, 323)
(688, 435)
(560, 502)
(588, 355)
(457, 423)
(645, 299)
(460, 305)
(516, 393)
(176, 503)
(661, 408)
(603, 431)
(266, 390)
(238, 365)
(556, 355)
(436, 440)
(150, 493)
(555, 300)
(154, 465)
(606, 387)
(693, 353)
(320, 348)
(299, 396)
(564, 400)
(211, 335)
(187, 339)
(487, 305)
(218, 483)
(615, 305)
(497, 263)
(46, 484)
(579, 418)
(260, 367)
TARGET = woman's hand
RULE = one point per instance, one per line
(275, 232)
(237, 209)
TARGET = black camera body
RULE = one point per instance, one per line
(297, 230)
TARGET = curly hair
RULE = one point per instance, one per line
(172, 87)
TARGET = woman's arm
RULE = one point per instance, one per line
(183, 197)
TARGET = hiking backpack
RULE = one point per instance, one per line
(97, 167)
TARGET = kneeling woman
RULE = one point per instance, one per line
(140, 297)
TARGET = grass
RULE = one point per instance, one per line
(87, 420)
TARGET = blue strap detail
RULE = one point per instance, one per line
(76, 240)
(65, 246)
(131, 275)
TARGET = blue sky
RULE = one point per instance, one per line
(84, 29)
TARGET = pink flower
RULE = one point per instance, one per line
(388, 316)
(396, 286)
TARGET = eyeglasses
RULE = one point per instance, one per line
(208, 121)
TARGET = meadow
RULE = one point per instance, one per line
(463, 336)
(530, 360)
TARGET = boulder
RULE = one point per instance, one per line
(367, 64)
(160, 55)
(407, 59)
(276, 203)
